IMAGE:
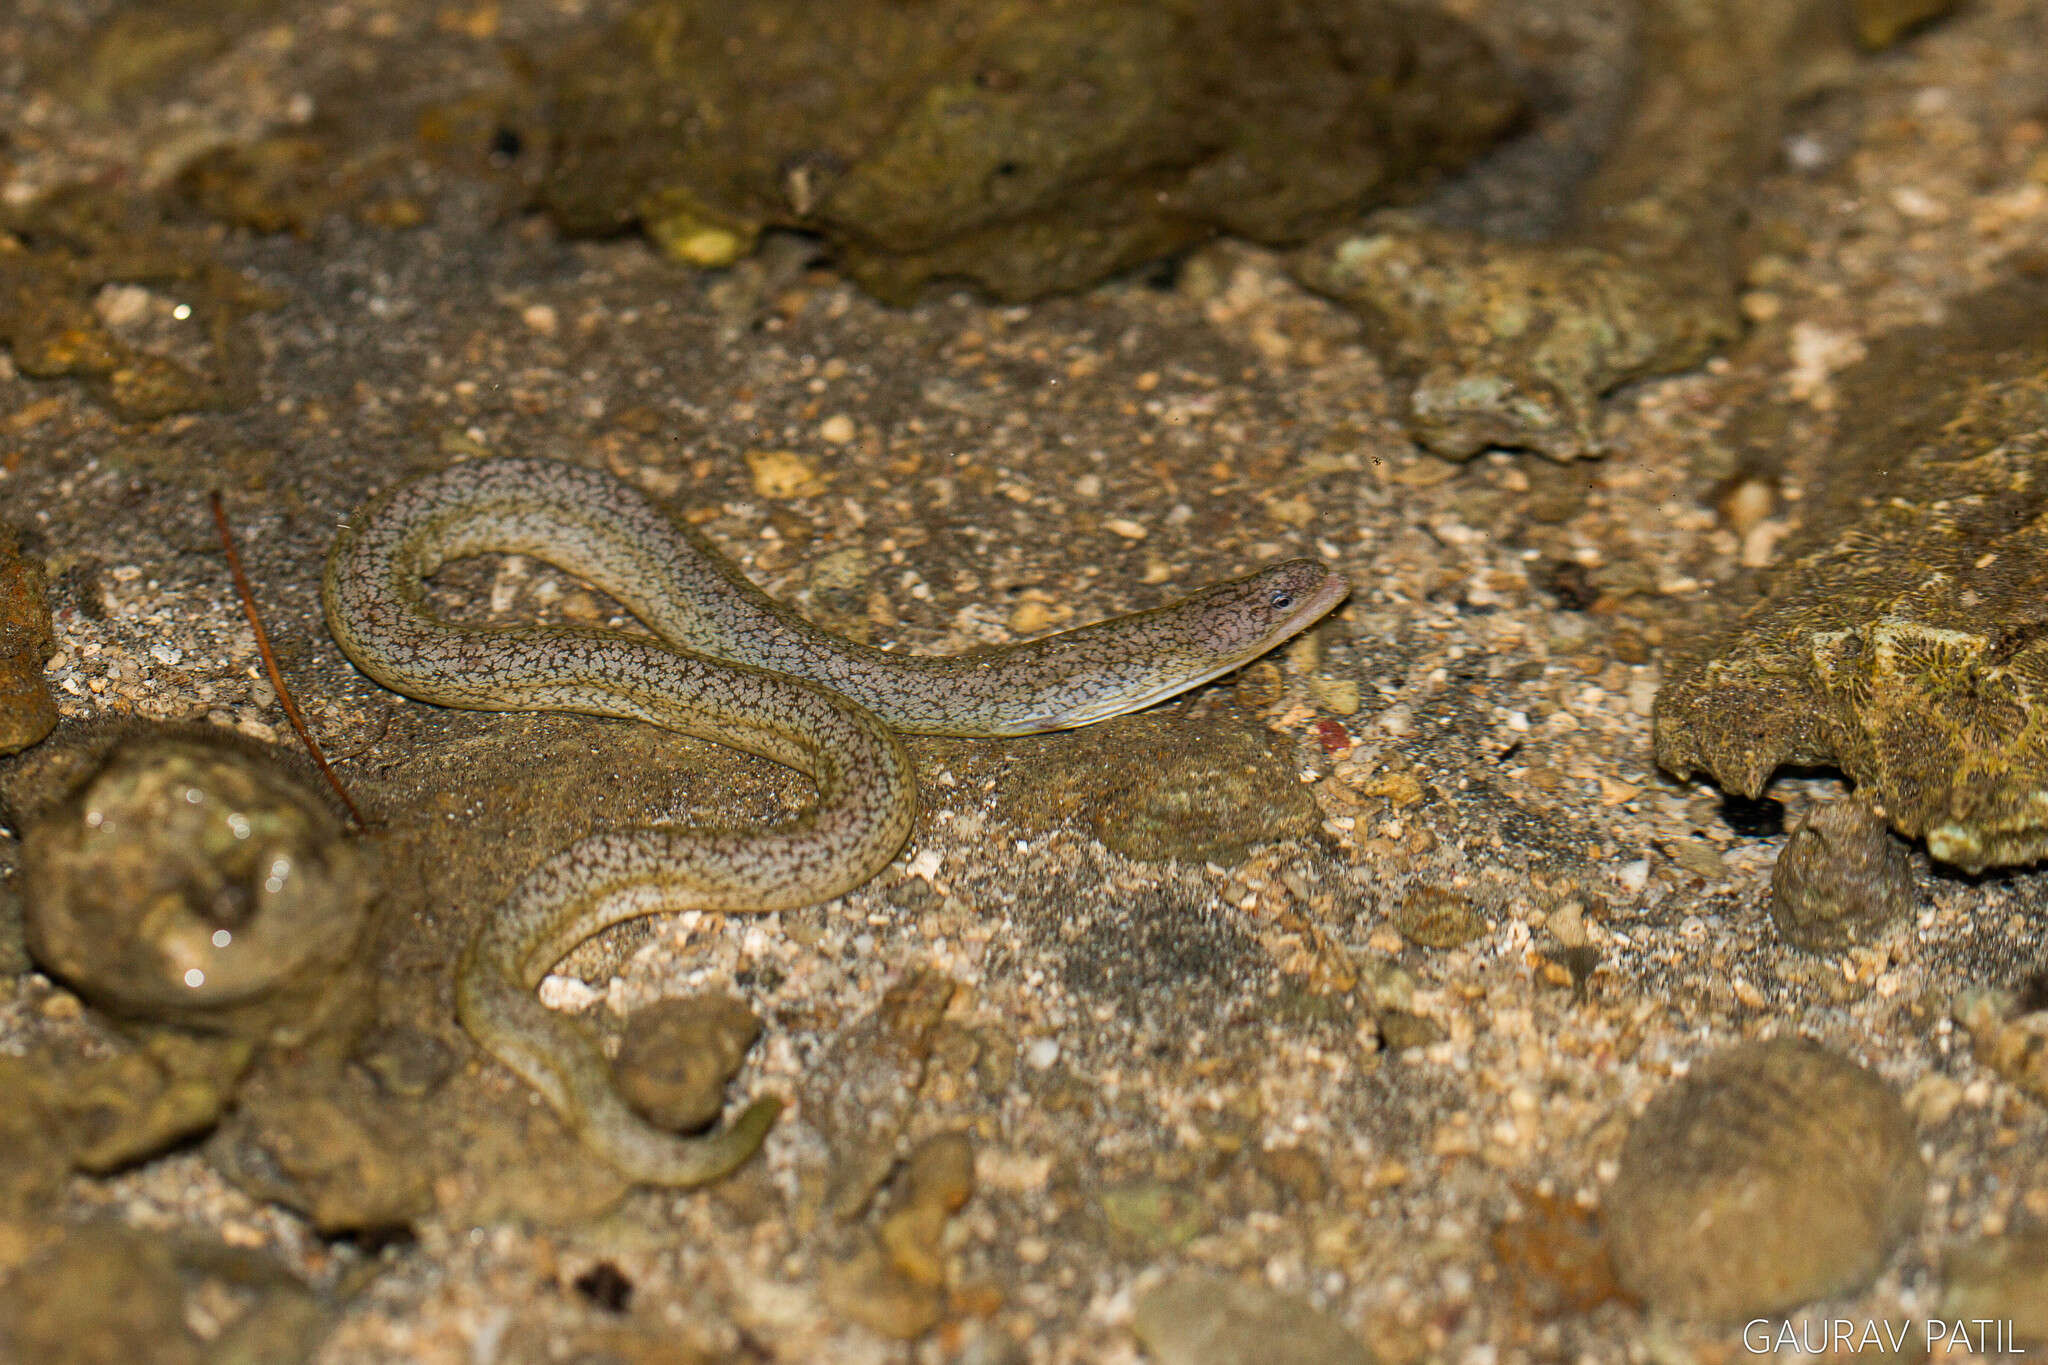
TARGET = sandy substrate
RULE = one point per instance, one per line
(1244, 1059)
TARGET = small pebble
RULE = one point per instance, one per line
(1401, 1030)
(1259, 686)
(1030, 618)
(1841, 879)
(937, 1181)
(1749, 498)
(1567, 924)
(1700, 858)
(1436, 918)
(1158, 1215)
(406, 1062)
(1775, 1174)
(782, 474)
(1338, 696)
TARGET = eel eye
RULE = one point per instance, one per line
(1281, 599)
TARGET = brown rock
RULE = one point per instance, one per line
(194, 878)
(27, 711)
(677, 1056)
(84, 237)
(1401, 1030)
(866, 1288)
(937, 1180)
(1774, 1174)
(1039, 147)
(1436, 918)
(1901, 639)
(105, 1295)
(863, 1093)
(2014, 1046)
(1166, 788)
(1511, 343)
(1841, 879)
(117, 1110)
(2002, 1279)
(318, 1138)
(894, 1281)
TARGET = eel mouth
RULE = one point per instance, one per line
(1333, 589)
(1314, 607)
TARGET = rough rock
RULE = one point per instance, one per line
(317, 1138)
(1903, 640)
(104, 1295)
(191, 877)
(57, 253)
(1437, 918)
(1026, 147)
(894, 1282)
(27, 711)
(2013, 1044)
(1841, 879)
(1507, 343)
(863, 1093)
(112, 1110)
(2003, 1279)
(677, 1055)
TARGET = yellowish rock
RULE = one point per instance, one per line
(1338, 696)
(783, 474)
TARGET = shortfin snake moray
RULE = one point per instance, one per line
(731, 665)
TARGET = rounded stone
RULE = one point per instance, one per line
(1840, 880)
(1775, 1174)
(195, 880)
(1436, 918)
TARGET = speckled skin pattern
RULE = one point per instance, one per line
(735, 667)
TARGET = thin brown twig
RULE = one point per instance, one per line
(291, 708)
